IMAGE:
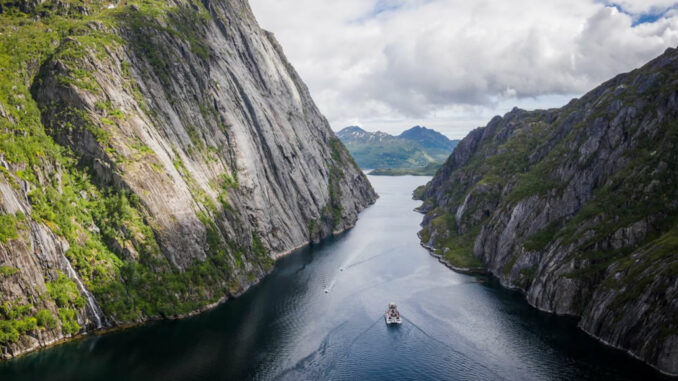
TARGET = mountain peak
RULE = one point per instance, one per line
(428, 137)
(415, 147)
(351, 129)
(358, 134)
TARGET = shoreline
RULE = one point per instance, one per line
(467, 271)
(45, 345)
(461, 270)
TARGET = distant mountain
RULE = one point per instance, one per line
(357, 134)
(414, 148)
(429, 170)
(429, 138)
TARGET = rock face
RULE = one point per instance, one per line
(577, 207)
(156, 157)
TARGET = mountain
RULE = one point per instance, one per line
(429, 170)
(358, 135)
(577, 207)
(155, 158)
(429, 139)
(414, 148)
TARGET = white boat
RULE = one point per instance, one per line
(392, 315)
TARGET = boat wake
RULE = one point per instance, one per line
(364, 261)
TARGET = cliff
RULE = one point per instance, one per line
(577, 207)
(155, 158)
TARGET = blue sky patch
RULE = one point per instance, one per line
(643, 18)
(388, 6)
(384, 6)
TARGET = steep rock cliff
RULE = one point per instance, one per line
(155, 158)
(577, 207)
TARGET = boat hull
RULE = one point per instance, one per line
(393, 320)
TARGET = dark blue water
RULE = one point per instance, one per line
(455, 327)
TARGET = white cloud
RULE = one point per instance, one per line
(645, 6)
(394, 63)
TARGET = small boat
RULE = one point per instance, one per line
(392, 315)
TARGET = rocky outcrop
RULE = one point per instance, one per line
(156, 158)
(577, 207)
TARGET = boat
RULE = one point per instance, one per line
(392, 315)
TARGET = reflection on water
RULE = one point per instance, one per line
(320, 316)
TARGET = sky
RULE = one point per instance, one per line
(453, 64)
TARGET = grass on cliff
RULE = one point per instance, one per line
(654, 262)
(332, 212)
(112, 243)
(457, 249)
(341, 157)
(617, 203)
(539, 240)
(620, 203)
(17, 319)
(65, 293)
(10, 225)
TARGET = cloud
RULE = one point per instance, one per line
(637, 7)
(385, 62)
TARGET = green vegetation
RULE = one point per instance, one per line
(153, 19)
(198, 192)
(499, 163)
(260, 251)
(113, 244)
(429, 170)
(7, 228)
(457, 249)
(418, 193)
(195, 137)
(619, 204)
(340, 154)
(8, 271)
(67, 297)
(512, 161)
(69, 321)
(333, 209)
(335, 149)
(506, 270)
(624, 235)
(539, 240)
(226, 183)
(17, 319)
(313, 229)
(10, 226)
(653, 262)
(527, 276)
(410, 151)
(65, 292)
(621, 201)
(45, 319)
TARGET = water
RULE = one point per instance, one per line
(94, 308)
(455, 326)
